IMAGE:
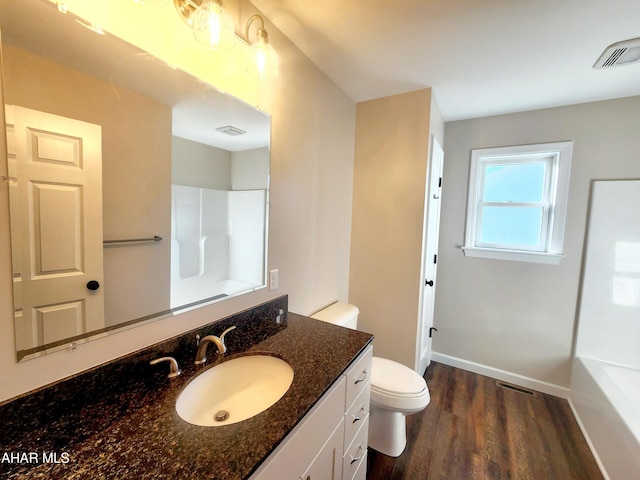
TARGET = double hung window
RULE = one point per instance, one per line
(517, 202)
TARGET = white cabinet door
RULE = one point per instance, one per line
(297, 452)
(328, 463)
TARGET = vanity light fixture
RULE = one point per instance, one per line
(213, 27)
(263, 59)
(211, 22)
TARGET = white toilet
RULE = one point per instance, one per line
(396, 390)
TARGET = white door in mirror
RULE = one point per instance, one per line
(56, 225)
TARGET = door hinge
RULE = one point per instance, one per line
(431, 330)
(440, 182)
(435, 258)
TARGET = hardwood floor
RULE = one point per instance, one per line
(474, 429)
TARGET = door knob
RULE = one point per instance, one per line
(93, 285)
(428, 282)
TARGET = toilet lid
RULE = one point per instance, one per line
(393, 377)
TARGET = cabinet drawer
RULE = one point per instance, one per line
(361, 472)
(356, 453)
(358, 377)
(356, 416)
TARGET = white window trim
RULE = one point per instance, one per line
(553, 253)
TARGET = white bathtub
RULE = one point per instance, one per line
(606, 401)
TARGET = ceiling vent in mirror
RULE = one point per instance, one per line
(231, 130)
(621, 53)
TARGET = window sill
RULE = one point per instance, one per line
(513, 255)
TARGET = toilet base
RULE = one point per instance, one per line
(387, 431)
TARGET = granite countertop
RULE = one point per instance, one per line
(125, 424)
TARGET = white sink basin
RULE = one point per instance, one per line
(234, 390)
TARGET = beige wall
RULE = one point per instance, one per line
(197, 165)
(250, 169)
(391, 157)
(310, 201)
(516, 317)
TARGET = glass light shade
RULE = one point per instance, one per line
(213, 26)
(263, 59)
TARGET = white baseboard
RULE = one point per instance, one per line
(503, 375)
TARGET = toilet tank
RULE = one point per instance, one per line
(339, 313)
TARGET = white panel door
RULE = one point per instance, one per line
(57, 237)
(430, 255)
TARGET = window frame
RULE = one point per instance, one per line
(557, 155)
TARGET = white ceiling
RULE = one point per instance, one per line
(482, 57)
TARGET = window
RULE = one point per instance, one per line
(517, 202)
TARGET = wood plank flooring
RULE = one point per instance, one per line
(474, 429)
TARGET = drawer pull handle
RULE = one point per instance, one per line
(358, 455)
(356, 417)
(362, 378)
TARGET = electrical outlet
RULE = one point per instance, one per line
(273, 279)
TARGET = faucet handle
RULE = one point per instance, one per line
(174, 371)
(224, 346)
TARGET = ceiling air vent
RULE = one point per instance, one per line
(231, 130)
(621, 53)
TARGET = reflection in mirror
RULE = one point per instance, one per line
(136, 190)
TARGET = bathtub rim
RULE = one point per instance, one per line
(615, 410)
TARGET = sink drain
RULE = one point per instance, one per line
(221, 416)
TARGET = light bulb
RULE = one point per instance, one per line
(263, 59)
(213, 26)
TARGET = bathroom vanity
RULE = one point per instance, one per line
(331, 441)
(119, 421)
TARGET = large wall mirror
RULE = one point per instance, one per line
(135, 190)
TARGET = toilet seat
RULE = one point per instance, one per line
(397, 387)
(394, 378)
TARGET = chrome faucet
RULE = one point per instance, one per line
(174, 371)
(201, 356)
